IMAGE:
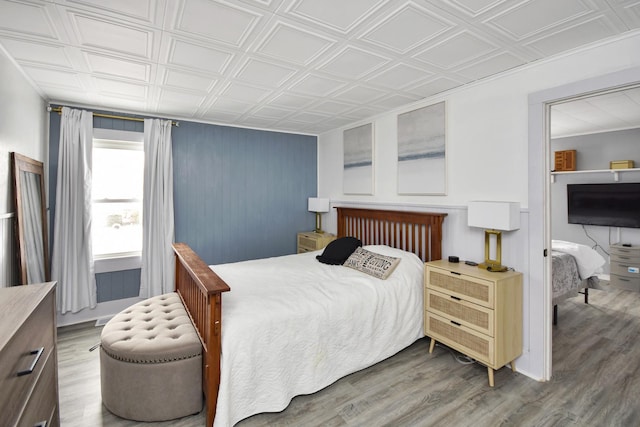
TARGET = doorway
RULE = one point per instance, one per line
(540, 198)
(593, 143)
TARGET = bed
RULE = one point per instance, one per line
(574, 270)
(344, 304)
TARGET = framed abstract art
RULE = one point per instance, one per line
(422, 151)
(358, 160)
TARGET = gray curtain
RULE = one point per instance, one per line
(157, 276)
(72, 257)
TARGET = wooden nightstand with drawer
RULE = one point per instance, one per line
(475, 312)
(312, 241)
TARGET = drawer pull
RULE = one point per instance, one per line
(31, 367)
(455, 323)
(455, 272)
(455, 298)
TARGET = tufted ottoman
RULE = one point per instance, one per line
(151, 361)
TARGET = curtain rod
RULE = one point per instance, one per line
(109, 116)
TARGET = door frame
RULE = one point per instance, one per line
(539, 199)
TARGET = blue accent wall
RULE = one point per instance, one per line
(117, 285)
(238, 193)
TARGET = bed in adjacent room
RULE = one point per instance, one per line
(574, 269)
(292, 325)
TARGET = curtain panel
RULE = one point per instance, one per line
(158, 265)
(72, 255)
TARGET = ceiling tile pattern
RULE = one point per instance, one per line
(608, 112)
(303, 66)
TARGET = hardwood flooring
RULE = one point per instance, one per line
(596, 381)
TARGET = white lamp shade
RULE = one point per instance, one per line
(494, 215)
(317, 204)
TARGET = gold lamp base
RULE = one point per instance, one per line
(318, 224)
(494, 265)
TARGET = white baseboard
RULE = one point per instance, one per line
(103, 312)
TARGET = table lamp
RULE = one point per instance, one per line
(318, 206)
(494, 217)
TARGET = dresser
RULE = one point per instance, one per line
(312, 241)
(475, 312)
(28, 358)
(625, 267)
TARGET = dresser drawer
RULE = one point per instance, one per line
(463, 339)
(628, 283)
(468, 314)
(36, 332)
(306, 244)
(625, 269)
(468, 288)
(625, 254)
(42, 404)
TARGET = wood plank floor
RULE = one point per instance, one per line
(596, 381)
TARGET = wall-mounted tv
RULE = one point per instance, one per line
(614, 205)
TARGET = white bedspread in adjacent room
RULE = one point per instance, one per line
(292, 325)
(589, 261)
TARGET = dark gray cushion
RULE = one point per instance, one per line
(337, 252)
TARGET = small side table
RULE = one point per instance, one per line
(312, 241)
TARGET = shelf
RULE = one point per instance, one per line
(615, 172)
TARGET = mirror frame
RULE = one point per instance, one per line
(20, 164)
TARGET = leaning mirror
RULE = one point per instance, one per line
(29, 197)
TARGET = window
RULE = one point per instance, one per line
(118, 170)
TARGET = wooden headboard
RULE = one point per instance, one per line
(417, 232)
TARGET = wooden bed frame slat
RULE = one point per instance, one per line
(201, 289)
(408, 230)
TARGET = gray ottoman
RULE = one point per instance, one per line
(151, 362)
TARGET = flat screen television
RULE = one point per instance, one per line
(614, 205)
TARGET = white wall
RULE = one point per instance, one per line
(487, 159)
(594, 152)
(23, 129)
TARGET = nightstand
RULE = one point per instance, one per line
(625, 264)
(475, 312)
(312, 241)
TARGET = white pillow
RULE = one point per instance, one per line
(376, 265)
(588, 260)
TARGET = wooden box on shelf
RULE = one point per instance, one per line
(621, 164)
(565, 160)
(475, 312)
(312, 241)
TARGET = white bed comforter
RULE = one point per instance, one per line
(588, 260)
(292, 325)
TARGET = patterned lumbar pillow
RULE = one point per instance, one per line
(376, 265)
